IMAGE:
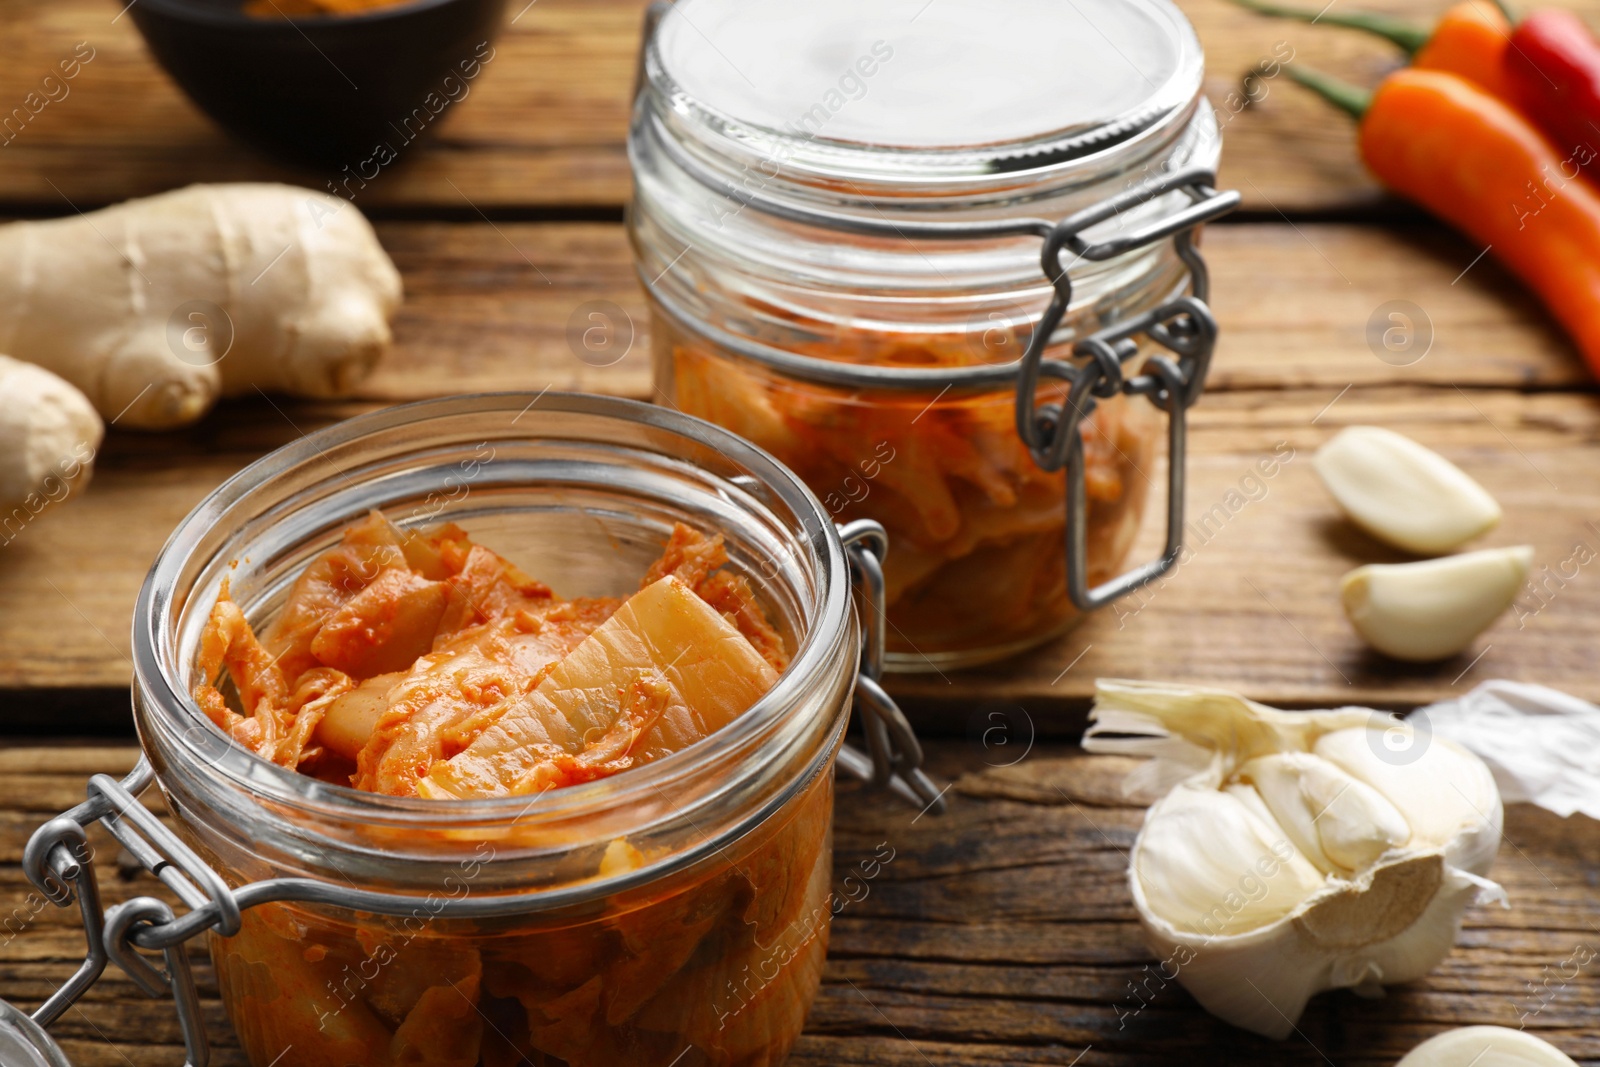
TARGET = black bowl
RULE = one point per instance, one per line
(330, 90)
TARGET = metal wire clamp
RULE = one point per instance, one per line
(894, 757)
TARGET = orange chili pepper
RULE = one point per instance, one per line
(1475, 162)
(1470, 40)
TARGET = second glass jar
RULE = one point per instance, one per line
(725, 186)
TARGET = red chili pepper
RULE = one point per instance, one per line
(1553, 66)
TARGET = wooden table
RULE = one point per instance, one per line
(1002, 933)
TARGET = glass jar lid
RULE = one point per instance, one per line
(937, 88)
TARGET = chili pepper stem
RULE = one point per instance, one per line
(1341, 94)
(1507, 10)
(1406, 35)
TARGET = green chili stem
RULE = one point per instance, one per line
(1407, 35)
(1341, 94)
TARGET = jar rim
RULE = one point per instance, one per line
(158, 669)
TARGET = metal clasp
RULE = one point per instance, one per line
(894, 757)
(1184, 326)
(58, 861)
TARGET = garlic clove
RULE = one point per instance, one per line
(1433, 609)
(1251, 798)
(1446, 794)
(1355, 822)
(1260, 982)
(1403, 493)
(1485, 1046)
(1339, 823)
(1209, 865)
(1276, 779)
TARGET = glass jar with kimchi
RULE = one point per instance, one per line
(437, 812)
(836, 217)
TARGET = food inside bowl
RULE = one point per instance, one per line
(290, 9)
(421, 664)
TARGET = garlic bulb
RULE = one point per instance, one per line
(1433, 609)
(1295, 852)
(1485, 1046)
(1403, 493)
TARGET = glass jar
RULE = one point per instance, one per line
(836, 218)
(675, 914)
(24, 1043)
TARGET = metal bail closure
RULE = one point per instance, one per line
(122, 924)
(60, 863)
(1184, 326)
(894, 756)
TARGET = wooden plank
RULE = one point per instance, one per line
(544, 125)
(490, 307)
(1255, 607)
(487, 308)
(1321, 307)
(999, 933)
(1300, 306)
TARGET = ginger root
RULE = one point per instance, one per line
(49, 434)
(157, 306)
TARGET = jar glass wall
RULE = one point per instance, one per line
(676, 913)
(977, 567)
(727, 255)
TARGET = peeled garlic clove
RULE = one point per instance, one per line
(1338, 823)
(1445, 793)
(1403, 493)
(1485, 1046)
(1433, 609)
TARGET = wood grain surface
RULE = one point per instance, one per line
(1002, 933)
(544, 124)
(998, 933)
(1498, 391)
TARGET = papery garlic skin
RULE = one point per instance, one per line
(1420, 612)
(1486, 1046)
(1285, 862)
(1402, 492)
